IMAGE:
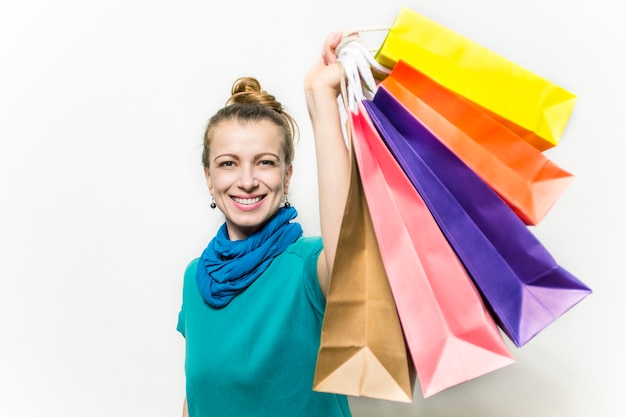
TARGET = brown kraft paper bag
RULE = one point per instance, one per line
(362, 349)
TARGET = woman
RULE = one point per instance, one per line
(253, 303)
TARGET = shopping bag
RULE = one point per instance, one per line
(450, 334)
(362, 350)
(523, 176)
(540, 109)
(520, 281)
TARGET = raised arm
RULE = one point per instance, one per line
(322, 87)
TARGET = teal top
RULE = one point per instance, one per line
(256, 356)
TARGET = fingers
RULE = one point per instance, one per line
(328, 50)
(334, 39)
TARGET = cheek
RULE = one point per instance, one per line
(273, 180)
(221, 181)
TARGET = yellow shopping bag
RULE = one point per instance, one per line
(533, 107)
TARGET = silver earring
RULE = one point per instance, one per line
(286, 202)
(213, 205)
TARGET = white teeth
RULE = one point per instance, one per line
(247, 201)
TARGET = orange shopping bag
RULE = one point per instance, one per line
(523, 176)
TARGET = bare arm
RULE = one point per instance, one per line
(185, 412)
(322, 86)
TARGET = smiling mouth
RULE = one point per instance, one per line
(247, 201)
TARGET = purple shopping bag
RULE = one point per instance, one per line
(520, 281)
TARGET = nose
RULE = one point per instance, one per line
(247, 178)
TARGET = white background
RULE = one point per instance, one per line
(102, 200)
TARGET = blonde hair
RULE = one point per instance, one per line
(250, 103)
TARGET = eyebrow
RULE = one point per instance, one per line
(225, 155)
(262, 154)
(257, 156)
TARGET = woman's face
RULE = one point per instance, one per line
(247, 174)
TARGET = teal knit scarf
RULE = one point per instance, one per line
(227, 267)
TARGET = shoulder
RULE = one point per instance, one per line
(190, 270)
(192, 265)
(306, 247)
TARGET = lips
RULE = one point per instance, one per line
(247, 201)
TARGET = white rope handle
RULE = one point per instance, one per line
(356, 31)
(358, 63)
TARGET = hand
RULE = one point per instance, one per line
(325, 76)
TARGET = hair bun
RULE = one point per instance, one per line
(248, 90)
(246, 84)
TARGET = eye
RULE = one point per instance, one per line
(226, 164)
(267, 162)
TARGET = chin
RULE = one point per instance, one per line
(247, 225)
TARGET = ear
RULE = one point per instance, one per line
(207, 176)
(287, 179)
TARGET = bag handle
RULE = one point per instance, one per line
(357, 31)
(359, 66)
